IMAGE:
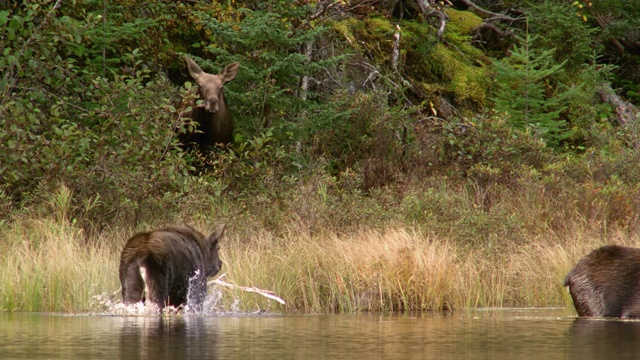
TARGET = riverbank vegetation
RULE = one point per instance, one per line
(380, 162)
(49, 267)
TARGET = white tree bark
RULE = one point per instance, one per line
(395, 57)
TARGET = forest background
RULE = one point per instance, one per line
(389, 155)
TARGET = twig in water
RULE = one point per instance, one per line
(115, 293)
(218, 281)
(265, 293)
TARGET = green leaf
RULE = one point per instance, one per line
(4, 17)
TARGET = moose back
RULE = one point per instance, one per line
(169, 266)
(606, 283)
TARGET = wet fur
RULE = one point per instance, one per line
(606, 283)
(168, 258)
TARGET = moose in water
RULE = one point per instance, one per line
(169, 266)
(606, 283)
(212, 118)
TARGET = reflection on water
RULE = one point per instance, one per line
(606, 339)
(480, 334)
(167, 338)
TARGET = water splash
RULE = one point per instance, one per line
(203, 298)
(196, 294)
(105, 304)
(213, 304)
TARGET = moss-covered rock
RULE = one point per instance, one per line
(373, 37)
(453, 69)
(462, 22)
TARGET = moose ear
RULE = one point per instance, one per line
(194, 70)
(229, 72)
(215, 236)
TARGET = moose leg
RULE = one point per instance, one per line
(157, 288)
(132, 284)
(631, 310)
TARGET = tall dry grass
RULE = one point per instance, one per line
(370, 270)
(400, 269)
(46, 266)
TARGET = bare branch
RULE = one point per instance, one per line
(494, 28)
(265, 293)
(428, 11)
(321, 10)
(495, 16)
(395, 58)
(603, 25)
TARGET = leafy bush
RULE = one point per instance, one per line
(108, 139)
(459, 148)
(85, 105)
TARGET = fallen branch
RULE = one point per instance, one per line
(218, 281)
(626, 113)
(603, 25)
(428, 11)
(503, 34)
(265, 293)
(115, 293)
(490, 13)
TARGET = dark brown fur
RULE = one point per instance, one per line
(606, 283)
(163, 261)
(214, 123)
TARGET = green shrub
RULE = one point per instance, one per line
(456, 148)
(523, 93)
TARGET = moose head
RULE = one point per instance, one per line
(212, 117)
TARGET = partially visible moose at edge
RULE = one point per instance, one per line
(606, 283)
(169, 266)
(212, 117)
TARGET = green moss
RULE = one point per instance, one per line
(462, 22)
(379, 26)
(466, 81)
(373, 36)
(450, 69)
(417, 37)
(443, 70)
(344, 28)
(435, 68)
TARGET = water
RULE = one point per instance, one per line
(479, 334)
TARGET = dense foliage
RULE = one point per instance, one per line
(347, 113)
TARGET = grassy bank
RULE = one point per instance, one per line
(323, 246)
(47, 266)
(441, 178)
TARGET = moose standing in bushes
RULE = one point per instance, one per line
(214, 124)
(169, 266)
(606, 283)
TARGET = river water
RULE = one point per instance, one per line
(476, 334)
